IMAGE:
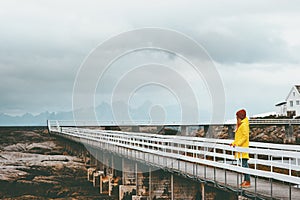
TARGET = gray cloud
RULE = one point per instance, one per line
(246, 40)
(43, 44)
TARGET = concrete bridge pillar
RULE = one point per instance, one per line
(90, 173)
(96, 178)
(184, 130)
(289, 131)
(105, 173)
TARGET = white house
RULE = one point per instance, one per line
(281, 108)
(291, 106)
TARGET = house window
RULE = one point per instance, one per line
(291, 103)
(294, 93)
(297, 102)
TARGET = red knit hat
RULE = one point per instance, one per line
(241, 114)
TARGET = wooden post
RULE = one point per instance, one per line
(101, 184)
(203, 191)
(109, 186)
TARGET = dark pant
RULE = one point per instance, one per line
(245, 164)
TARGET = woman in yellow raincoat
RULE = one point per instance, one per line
(241, 139)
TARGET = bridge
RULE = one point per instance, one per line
(274, 168)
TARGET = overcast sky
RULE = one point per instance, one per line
(255, 46)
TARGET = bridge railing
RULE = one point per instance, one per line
(203, 151)
(81, 123)
(56, 125)
(86, 123)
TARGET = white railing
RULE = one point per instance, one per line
(84, 123)
(80, 123)
(210, 152)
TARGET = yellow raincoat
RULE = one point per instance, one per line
(241, 138)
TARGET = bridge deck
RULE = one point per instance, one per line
(201, 159)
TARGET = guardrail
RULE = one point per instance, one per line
(191, 149)
(82, 123)
(272, 161)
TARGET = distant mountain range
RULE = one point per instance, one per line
(29, 119)
(103, 113)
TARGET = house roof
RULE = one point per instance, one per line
(281, 103)
(298, 88)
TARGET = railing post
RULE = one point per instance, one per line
(203, 191)
(290, 191)
(255, 163)
(237, 176)
(214, 154)
(172, 187)
(215, 176)
(271, 159)
(271, 180)
(225, 177)
(290, 167)
(255, 186)
(224, 154)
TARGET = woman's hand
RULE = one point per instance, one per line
(232, 145)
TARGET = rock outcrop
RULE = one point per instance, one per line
(281, 134)
(32, 166)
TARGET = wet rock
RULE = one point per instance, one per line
(45, 179)
(63, 193)
(32, 167)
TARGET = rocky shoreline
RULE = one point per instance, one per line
(34, 165)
